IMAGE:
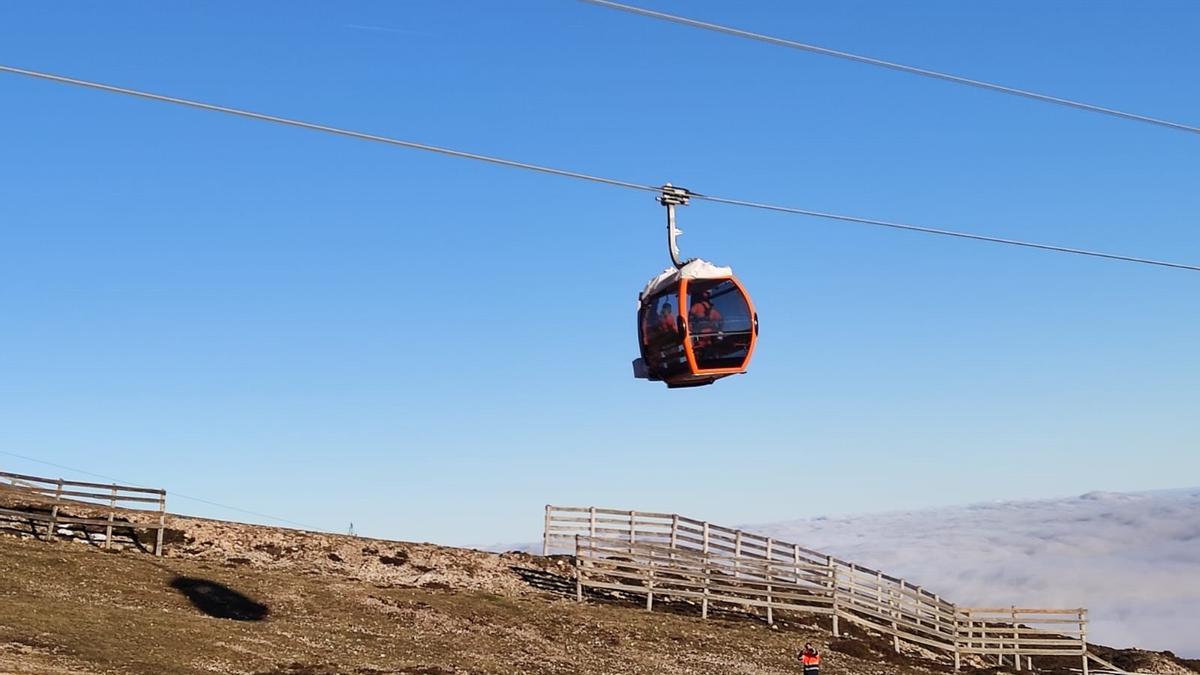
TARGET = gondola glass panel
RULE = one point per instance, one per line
(720, 324)
(662, 337)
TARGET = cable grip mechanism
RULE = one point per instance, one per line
(670, 197)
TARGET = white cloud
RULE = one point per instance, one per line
(1132, 559)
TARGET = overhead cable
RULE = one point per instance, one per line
(172, 493)
(945, 233)
(583, 176)
(991, 86)
(324, 128)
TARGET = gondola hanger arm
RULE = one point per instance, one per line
(670, 197)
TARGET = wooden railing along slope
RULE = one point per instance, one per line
(120, 506)
(672, 556)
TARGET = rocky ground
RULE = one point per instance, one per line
(232, 598)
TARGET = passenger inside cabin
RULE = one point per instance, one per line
(705, 318)
(666, 319)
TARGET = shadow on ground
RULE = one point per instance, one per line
(546, 581)
(219, 601)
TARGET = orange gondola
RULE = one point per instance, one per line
(696, 322)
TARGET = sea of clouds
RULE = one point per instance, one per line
(1133, 559)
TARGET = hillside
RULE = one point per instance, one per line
(252, 600)
(233, 598)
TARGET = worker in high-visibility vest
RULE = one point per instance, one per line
(810, 659)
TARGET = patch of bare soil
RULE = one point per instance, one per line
(371, 560)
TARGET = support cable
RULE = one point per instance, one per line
(177, 495)
(584, 176)
(914, 70)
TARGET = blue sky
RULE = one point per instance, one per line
(331, 331)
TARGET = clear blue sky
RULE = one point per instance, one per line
(331, 331)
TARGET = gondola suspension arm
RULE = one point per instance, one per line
(670, 197)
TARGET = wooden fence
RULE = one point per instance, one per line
(683, 574)
(1021, 632)
(118, 506)
(671, 556)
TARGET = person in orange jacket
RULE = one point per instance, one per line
(704, 321)
(810, 660)
(666, 319)
(705, 317)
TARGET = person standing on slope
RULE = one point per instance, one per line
(810, 660)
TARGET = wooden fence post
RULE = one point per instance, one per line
(971, 632)
(632, 527)
(578, 571)
(939, 623)
(650, 583)
(796, 562)
(546, 534)
(52, 531)
(920, 602)
(770, 612)
(737, 554)
(919, 607)
(706, 540)
(591, 521)
(879, 591)
(957, 652)
(895, 627)
(960, 617)
(1083, 638)
(674, 530)
(770, 575)
(162, 522)
(1016, 639)
(704, 563)
(112, 512)
(953, 628)
(833, 589)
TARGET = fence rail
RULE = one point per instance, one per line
(658, 569)
(120, 506)
(666, 555)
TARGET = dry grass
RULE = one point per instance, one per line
(67, 607)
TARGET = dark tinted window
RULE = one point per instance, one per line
(662, 346)
(719, 324)
(663, 315)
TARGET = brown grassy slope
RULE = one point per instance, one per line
(69, 607)
(339, 604)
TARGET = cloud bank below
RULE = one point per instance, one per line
(1133, 559)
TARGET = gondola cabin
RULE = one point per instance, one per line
(696, 324)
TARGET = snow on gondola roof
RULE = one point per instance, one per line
(693, 269)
